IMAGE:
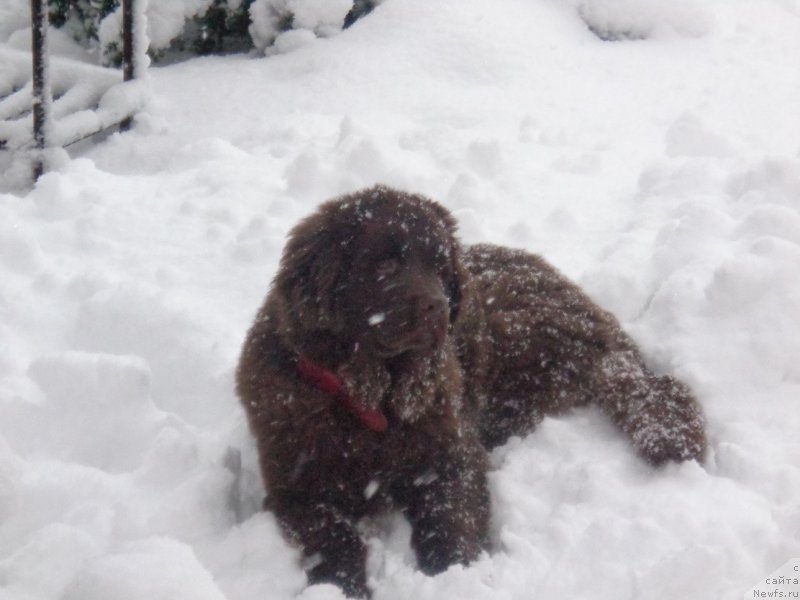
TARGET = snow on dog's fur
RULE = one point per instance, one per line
(387, 360)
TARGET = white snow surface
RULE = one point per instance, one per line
(662, 174)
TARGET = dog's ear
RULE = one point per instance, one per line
(457, 279)
(311, 265)
(455, 282)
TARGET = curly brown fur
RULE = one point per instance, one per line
(458, 348)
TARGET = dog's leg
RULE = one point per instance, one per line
(333, 551)
(449, 511)
(658, 413)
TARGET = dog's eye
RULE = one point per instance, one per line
(386, 267)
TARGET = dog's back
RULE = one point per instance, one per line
(552, 348)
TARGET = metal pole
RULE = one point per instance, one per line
(128, 64)
(42, 95)
(128, 51)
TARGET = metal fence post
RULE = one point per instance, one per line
(128, 50)
(42, 94)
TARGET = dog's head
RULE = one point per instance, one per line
(378, 268)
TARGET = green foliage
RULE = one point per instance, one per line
(81, 16)
(220, 29)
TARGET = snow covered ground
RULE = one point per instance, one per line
(663, 174)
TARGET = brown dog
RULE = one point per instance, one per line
(387, 359)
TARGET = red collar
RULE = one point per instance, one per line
(327, 381)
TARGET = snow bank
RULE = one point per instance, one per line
(658, 173)
(137, 572)
(615, 20)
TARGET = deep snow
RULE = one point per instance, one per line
(662, 174)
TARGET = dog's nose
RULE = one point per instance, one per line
(434, 315)
(432, 307)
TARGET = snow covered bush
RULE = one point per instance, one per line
(80, 18)
(282, 25)
(181, 27)
(273, 18)
(193, 26)
(178, 28)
